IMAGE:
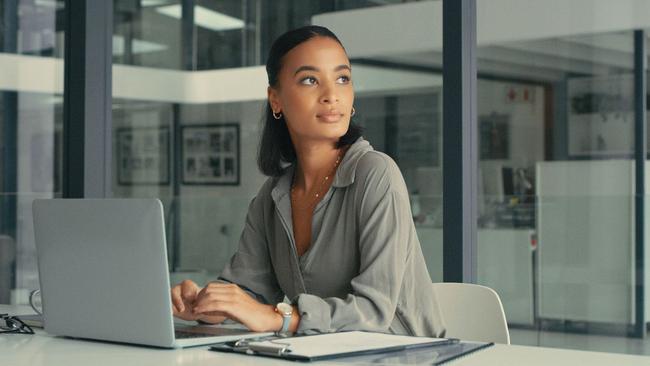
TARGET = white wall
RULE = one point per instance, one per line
(526, 118)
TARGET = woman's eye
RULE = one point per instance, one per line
(310, 80)
(343, 79)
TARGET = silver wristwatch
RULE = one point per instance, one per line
(286, 310)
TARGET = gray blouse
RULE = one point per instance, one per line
(364, 269)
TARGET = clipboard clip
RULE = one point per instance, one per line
(253, 346)
(274, 349)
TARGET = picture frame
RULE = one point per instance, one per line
(210, 154)
(143, 156)
(600, 117)
(494, 132)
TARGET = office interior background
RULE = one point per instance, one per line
(556, 98)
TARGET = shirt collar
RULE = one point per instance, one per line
(344, 174)
(348, 167)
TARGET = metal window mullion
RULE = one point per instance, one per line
(188, 36)
(87, 121)
(640, 153)
(460, 157)
(9, 142)
(9, 128)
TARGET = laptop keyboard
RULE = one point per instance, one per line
(199, 332)
(180, 334)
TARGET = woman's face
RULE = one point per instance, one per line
(314, 91)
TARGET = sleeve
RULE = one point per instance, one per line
(384, 226)
(250, 267)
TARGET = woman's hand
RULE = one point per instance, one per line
(229, 300)
(183, 299)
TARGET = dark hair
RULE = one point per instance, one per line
(276, 147)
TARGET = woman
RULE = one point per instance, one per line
(331, 229)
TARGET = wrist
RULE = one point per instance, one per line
(276, 320)
(286, 312)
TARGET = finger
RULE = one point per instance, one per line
(212, 315)
(219, 292)
(201, 293)
(226, 290)
(221, 307)
(188, 290)
(177, 301)
(221, 285)
(188, 317)
(207, 298)
(225, 296)
(210, 293)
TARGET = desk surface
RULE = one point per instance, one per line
(44, 349)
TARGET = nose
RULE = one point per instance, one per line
(329, 95)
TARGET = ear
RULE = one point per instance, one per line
(274, 99)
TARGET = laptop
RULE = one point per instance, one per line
(104, 276)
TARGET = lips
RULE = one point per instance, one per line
(331, 116)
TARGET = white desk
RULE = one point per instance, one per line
(44, 349)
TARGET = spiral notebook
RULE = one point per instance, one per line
(332, 345)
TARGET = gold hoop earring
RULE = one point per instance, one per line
(276, 116)
(353, 112)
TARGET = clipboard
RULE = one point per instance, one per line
(329, 345)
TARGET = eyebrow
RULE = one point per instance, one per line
(313, 68)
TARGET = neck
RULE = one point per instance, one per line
(314, 163)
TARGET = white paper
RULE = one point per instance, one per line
(343, 342)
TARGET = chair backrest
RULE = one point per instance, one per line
(472, 312)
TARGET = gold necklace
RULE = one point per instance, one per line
(314, 200)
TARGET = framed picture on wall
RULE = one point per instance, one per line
(600, 117)
(143, 156)
(494, 130)
(210, 154)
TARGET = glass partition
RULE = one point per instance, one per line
(31, 110)
(556, 171)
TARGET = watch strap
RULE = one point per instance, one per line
(286, 319)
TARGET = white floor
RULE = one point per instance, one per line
(599, 343)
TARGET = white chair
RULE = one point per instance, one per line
(472, 312)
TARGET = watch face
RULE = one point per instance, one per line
(284, 308)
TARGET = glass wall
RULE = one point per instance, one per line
(556, 190)
(31, 110)
(187, 121)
